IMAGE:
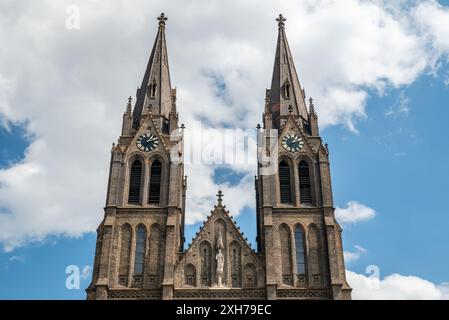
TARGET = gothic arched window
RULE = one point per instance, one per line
(190, 275)
(286, 254)
(285, 183)
(300, 251)
(139, 258)
(236, 262)
(154, 259)
(206, 257)
(125, 254)
(135, 178)
(315, 254)
(154, 195)
(304, 183)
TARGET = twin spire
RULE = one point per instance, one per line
(156, 95)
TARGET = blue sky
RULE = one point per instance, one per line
(386, 131)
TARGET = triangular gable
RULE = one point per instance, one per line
(291, 126)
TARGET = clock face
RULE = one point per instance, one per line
(292, 142)
(147, 142)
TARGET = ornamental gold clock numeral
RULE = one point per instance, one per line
(147, 142)
(292, 142)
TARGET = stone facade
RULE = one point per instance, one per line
(140, 250)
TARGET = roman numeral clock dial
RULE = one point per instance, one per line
(147, 142)
(292, 142)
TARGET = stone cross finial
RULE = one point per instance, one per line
(220, 197)
(162, 18)
(281, 21)
(258, 127)
(183, 126)
(290, 109)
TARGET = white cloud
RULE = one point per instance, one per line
(354, 212)
(432, 18)
(395, 287)
(400, 107)
(353, 256)
(17, 258)
(69, 87)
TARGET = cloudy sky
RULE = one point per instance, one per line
(379, 74)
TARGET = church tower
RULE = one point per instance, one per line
(140, 250)
(297, 230)
(142, 232)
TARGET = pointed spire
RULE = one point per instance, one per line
(156, 87)
(286, 89)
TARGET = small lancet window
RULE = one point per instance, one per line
(153, 89)
(287, 90)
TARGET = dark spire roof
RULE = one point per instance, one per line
(156, 88)
(286, 89)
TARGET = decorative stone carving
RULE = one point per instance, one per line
(295, 293)
(220, 294)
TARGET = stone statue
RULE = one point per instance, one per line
(220, 259)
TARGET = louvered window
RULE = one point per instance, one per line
(134, 182)
(284, 183)
(304, 183)
(154, 196)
